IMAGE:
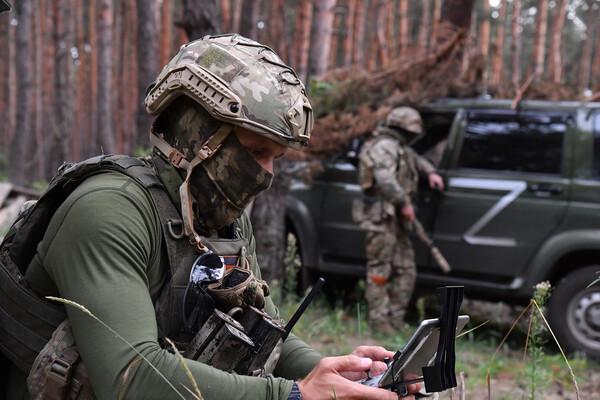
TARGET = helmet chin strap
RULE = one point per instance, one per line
(177, 159)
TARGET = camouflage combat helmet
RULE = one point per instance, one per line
(405, 118)
(237, 82)
(240, 82)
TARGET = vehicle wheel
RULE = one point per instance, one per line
(574, 312)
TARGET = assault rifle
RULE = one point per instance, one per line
(435, 252)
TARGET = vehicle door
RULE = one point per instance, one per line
(342, 245)
(507, 190)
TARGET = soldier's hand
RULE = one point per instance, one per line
(375, 353)
(436, 181)
(326, 382)
(408, 212)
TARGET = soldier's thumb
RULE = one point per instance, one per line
(349, 363)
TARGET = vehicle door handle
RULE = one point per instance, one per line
(546, 188)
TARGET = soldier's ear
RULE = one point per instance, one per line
(4, 6)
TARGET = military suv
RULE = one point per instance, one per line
(522, 205)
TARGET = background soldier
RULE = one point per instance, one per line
(388, 173)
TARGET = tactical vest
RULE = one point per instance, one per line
(27, 321)
(406, 169)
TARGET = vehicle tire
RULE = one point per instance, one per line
(574, 312)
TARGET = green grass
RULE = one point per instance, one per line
(338, 330)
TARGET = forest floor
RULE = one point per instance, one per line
(335, 330)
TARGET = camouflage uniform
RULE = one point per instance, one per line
(389, 172)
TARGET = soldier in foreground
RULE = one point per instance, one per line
(389, 171)
(156, 247)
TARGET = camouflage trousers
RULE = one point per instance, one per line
(391, 274)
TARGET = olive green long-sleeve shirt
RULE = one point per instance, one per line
(103, 249)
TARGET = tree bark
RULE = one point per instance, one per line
(200, 18)
(425, 26)
(226, 15)
(58, 143)
(349, 40)
(382, 42)
(268, 219)
(250, 12)
(360, 23)
(5, 67)
(555, 56)
(106, 138)
(166, 33)
(498, 60)
(484, 32)
(39, 28)
(236, 15)
(586, 56)
(596, 60)
(94, 65)
(21, 150)
(539, 50)
(437, 15)
(516, 44)
(147, 55)
(277, 29)
(302, 38)
(321, 40)
(404, 27)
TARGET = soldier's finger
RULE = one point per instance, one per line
(377, 353)
(347, 363)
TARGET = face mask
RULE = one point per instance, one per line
(223, 185)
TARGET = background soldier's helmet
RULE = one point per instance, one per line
(237, 81)
(405, 118)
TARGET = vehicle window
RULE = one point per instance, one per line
(596, 166)
(517, 143)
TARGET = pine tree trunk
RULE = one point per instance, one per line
(148, 67)
(539, 50)
(39, 28)
(21, 149)
(360, 23)
(302, 38)
(277, 29)
(236, 16)
(58, 143)
(437, 15)
(268, 218)
(4, 80)
(94, 93)
(404, 27)
(200, 18)
(321, 40)
(226, 15)
(596, 60)
(106, 138)
(516, 44)
(484, 34)
(498, 60)
(250, 13)
(555, 56)
(166, 33)
(349, 37)
(586, 56)
(336, 31)
(425, 26)
(382, 43)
